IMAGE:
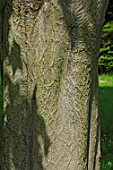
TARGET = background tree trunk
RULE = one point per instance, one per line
(49, 51)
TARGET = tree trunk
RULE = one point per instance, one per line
(49, 51)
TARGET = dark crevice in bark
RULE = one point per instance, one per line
(75, 24)
(70, 21)
(96, 147)
(89, 123)
(29, 154)
(96, 144)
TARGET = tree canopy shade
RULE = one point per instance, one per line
(49, 52)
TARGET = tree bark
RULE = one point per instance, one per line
(49, 51)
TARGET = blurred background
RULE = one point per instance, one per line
(105, 69)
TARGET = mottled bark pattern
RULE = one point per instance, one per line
(49, 51)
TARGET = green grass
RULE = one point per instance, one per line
(106, 111)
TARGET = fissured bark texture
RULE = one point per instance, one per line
(49, 51)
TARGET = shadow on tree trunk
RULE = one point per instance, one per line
(24, 129)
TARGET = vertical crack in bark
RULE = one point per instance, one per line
(44, 62)
(89, 124)
(96, 147)
(93, 96)
(29, 115)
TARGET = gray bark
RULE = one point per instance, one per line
(50, 82)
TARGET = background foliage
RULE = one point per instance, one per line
(105, 61)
